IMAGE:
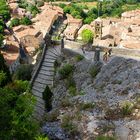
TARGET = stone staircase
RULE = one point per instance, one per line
(44, 76)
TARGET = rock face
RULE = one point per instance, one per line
(105, 105)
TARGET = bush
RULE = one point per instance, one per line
(127, 108)
(15, 22)
(25, 21)
(23, 72)
(72, 91)
(79, 58)
(66, 70)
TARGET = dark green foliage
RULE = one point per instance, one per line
(47, 96)
(25, 21)
(66, 70)
(23, 72)
(16, 114)
(15, 22)
(79, 57)
(4, 69)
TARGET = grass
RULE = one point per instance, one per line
(79, 58)
(86, 106)
(90, 5)
(94, 70)
(127, 108)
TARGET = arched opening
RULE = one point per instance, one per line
(47, 97)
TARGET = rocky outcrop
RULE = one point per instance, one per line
(106, 104)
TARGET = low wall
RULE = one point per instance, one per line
(123, 51)
(72, 44)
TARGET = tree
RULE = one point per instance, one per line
(16, 120)
(87, 36)
(4, 68)
(23, 72)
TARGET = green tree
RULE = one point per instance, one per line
(87, 36)
(15, 22)
(4, 68)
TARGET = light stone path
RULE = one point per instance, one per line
(90, 55)
(44, 78)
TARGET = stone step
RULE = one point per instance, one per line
(41, 76)
(38, 88)
(46, 72)
(44, 81)
(58, 50)
(52, 51)
(37, 93)
(49, 60)
(50, 57)
(46, 64)
(47, 68)
(40, 85)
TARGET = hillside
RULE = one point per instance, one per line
(89, 106)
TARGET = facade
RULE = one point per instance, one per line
(73, 25)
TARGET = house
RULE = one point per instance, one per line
(73, 25)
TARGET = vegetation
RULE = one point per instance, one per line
(4, 16)
(105, 138)
(4, 72)
(23, 72)
(127, 108)
(94, 70)
(66, 70)
(86, 106)
(23, 21)
(79, 58)
(111, 8)
(16, 113)
(87, 36)
(47, 96)
(68, 125)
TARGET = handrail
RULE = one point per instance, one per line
(38, 66)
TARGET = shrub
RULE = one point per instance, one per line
(15, 22)
(127, 108)
(40, 137)
(66, 70)
(2, 79)
(72, 91)
(25, 21)
(66, 102)
(79, 58)
(23, 72)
